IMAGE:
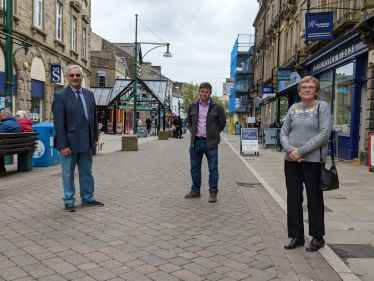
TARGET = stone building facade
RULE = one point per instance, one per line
(340, 65)
(59, 31)
(108, 62)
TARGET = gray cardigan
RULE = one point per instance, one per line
(215, 122)
(300, 130)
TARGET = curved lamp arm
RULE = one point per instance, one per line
(151, 50)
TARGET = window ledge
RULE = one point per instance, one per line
(16, 19)
(72, 52)
(59, 43)
(84, 59)
(36, 29)
(76, 6)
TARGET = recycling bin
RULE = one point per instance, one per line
(45, 154)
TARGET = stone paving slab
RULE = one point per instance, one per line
(147, 230)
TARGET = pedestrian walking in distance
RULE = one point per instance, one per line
(178, 127)
(75, 120)
(149, 123)
(206, 120)
(305, 130)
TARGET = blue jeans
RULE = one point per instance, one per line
(86, 181)
(196, 157)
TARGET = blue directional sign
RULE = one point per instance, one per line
(267, 89)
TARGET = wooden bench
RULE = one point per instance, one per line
(23, 144)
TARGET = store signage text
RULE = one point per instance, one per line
(343, 53)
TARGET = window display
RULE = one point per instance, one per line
(343, 98)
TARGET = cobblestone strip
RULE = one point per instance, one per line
(147, 230)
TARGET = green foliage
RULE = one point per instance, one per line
(190, 94)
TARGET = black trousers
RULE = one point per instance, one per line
(297, 174)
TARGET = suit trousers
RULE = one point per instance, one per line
(297, 174)
(86, 181)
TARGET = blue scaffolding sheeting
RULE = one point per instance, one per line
(241, 69)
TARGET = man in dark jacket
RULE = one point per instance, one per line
(178, 127)
(75, 120)
(8, 123)
(206, 119)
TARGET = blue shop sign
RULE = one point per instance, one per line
(319, 26)
(56, 73)
(267, 89)
(343, 89)
(294, 80)
(284, 74)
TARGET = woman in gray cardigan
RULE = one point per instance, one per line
(301, 137)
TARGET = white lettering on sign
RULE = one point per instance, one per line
(336, 57)
(55, 74)
(314, 23)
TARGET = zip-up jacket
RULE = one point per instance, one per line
(215, 122)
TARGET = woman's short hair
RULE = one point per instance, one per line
(307, 79)
(22, 114)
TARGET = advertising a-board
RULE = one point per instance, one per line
(249, 140)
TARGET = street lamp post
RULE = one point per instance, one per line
(167, 54)
(179, 107)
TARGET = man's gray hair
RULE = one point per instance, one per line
(7, 112)
(74, 67)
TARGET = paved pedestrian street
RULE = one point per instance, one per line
(147, 230)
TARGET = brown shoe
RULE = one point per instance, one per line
(213, 196)
(192, 194)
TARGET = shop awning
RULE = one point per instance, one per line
(287, 90)
(123, 92)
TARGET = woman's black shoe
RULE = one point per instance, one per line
(315, 245)
(294, 243)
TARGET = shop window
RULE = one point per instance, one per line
(343, 98)
(326, 86)
(283, 108)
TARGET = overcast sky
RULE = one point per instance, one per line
(201, 33)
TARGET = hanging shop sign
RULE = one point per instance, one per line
(295, 79)
(284, 74)
(319, 26)
(56, 73)
(266, 91)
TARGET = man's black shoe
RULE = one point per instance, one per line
(294, 243)
(93, 203)
(315, 245)
(70, 207)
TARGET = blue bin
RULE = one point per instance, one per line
(45, 154)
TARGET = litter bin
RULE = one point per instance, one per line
(45, 154)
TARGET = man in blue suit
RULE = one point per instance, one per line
(75, 120)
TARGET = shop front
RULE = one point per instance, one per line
(341, 70)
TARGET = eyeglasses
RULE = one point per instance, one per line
(304, 88)
(76, 75)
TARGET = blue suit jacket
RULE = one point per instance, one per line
(72, 128)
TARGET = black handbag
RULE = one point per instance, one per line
(329, 177)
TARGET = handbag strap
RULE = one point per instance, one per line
(331, 139)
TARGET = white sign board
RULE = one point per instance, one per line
(249, 140)
(251, 120)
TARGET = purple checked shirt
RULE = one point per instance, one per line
(201, 124)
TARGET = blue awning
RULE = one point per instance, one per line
(37, 88)
(287, 90)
